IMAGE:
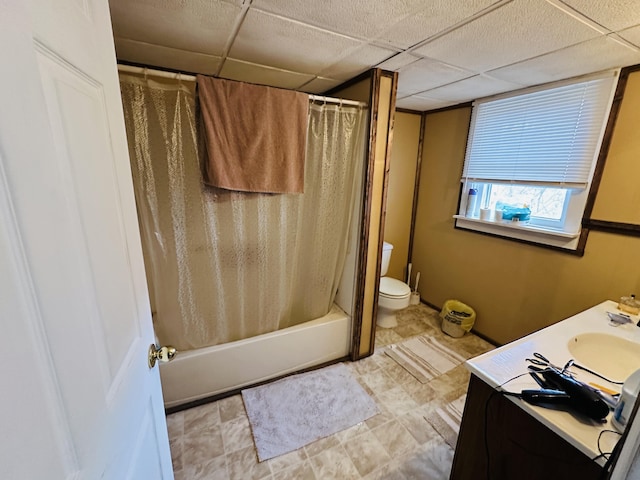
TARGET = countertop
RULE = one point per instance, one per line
(503, 364)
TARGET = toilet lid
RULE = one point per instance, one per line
(390, 287)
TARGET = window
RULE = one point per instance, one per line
(530, 159)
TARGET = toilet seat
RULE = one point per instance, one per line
(392, 288)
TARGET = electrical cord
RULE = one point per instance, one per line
(496, 391)
(613, 458)
(573, 364)
(606, 469)
(604, 455)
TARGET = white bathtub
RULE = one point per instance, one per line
(208, 371)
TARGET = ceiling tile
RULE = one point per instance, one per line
(422, 103)
(516, 31)
(357, 62)
(203, 27)
(398, 61)
(435, 18)
(359, 18)
(260, 74)
(426, 74)
(472, 88)
(592, 56)
(155, 55)
(631, 35)
(614, 15)
(320, 85)
(270, 40)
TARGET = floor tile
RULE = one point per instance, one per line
(321, 445)
(214, 441)
(241, 471)
(386, 336)
(176, 446)
(236, 434)
(418, 427)
(395, 438)
(334, 463)
(397, 401)
(175, 425)
(366, 453)
(379, 381)
(201, 446)
(303, 471)
(215, 469)
(201, 417)
(231, 408)
(288, 460)
(432, 461)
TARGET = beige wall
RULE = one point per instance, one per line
(619, 196)
(400, 188)
(515, 288)
(359, 91)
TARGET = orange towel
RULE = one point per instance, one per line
(255, 136)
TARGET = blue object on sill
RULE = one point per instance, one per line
(521, 214)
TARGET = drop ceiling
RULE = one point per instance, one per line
(446, 51)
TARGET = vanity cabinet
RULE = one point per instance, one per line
(498, 440)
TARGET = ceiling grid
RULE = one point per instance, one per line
(446, 51)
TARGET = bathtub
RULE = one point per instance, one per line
(202, 373)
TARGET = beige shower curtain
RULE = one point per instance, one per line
(222, 265)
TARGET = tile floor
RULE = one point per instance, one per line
(214, 441)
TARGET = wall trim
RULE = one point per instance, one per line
(450, 107)
(408, 110)
(383, 207)
(605, 225)
(619, 228)
(416, 186)
(374, 76)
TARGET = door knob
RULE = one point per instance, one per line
(161, 354)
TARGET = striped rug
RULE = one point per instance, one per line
(446, 420)
(424, 357)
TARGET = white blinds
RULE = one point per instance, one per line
(549, 136)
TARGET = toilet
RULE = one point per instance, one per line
(393, 294)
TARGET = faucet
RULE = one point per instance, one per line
(617, 319)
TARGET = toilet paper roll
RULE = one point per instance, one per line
(485, 214)
(498, 215)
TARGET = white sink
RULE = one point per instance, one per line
(613, 357)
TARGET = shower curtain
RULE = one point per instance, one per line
(222, 265)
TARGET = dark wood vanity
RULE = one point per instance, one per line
(498, 440)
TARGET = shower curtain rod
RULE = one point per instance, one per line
(192, 78)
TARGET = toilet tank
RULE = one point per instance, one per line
(386, 256)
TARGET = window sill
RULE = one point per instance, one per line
(520, 230)
(520, 226)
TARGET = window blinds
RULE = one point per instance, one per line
(548, 137)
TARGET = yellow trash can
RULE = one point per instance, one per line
(457, 318)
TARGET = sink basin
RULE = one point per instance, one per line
(611, 356)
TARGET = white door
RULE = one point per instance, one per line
(77, 398)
